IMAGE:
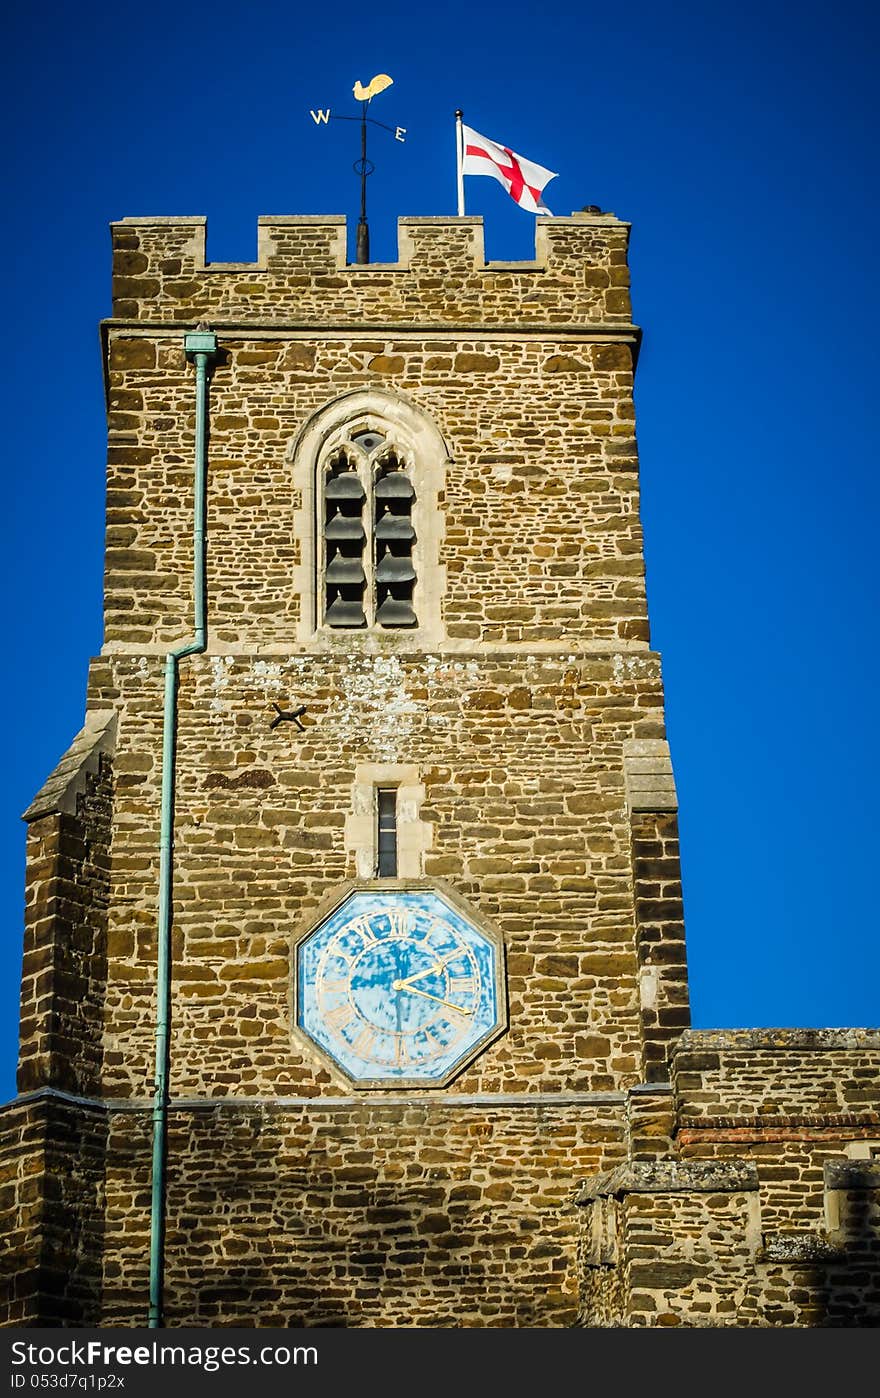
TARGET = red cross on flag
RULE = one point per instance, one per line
(523, 179)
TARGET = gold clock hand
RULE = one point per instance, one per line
(439, 965)
(414, 990)
(419, 975)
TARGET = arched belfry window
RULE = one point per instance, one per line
(369, 471)
(366, 505)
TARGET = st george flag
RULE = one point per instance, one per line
(523, 179)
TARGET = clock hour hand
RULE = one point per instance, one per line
(435, 970)
(406, 981)
(415, 990)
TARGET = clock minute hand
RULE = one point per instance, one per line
(414, 990)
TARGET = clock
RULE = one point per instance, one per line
(399, 987)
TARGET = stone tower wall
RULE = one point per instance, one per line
(379, 1211)
(514, 712)
(514, 754)
(522, 720)
(526, 373)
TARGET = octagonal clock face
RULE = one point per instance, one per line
(399, 987)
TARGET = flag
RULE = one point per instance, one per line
(523, 179)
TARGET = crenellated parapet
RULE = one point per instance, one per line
(302, 276)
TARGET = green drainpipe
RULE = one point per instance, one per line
(201, 350)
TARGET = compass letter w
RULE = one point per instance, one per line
(322, 114)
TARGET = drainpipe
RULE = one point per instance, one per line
(201, 349)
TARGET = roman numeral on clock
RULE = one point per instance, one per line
(340, 1017)
(364, 1041)
(337, 987)
(362, 927)
(398, 924)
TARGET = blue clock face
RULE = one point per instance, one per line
(398, 987)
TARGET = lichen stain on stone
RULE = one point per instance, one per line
(221, 667)
(375, 700)
(630, 668)
(270, 673)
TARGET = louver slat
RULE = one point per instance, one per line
(395, 529)
(345, 529)
(346, 487)
(342, 570)
(395, 486)
(395, 570)
(394, 611)
(344, 612)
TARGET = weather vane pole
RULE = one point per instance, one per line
(363, 167)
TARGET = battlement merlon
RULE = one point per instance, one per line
(579, 276)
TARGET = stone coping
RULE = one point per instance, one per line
(268, 327)
(68, 779)
(706, 1040)
(800, 1247)
(367, 1100)
(341, 221)
(537, 651)
(670, 1177)
(852, 1174)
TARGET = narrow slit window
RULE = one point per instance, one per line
(386, 817)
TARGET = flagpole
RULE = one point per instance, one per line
(459, 153)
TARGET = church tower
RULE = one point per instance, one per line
(368, 846)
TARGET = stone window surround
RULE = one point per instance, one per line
(414, 835)
(861, 1152)
(419, 442)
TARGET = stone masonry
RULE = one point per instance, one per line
(585, 1169)
(751, 1195)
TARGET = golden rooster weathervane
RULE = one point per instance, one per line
(363, 167)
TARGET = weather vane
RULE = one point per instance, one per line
(363, 167)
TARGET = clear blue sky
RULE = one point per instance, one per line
(741, 144)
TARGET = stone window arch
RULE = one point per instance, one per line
(369, 469)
